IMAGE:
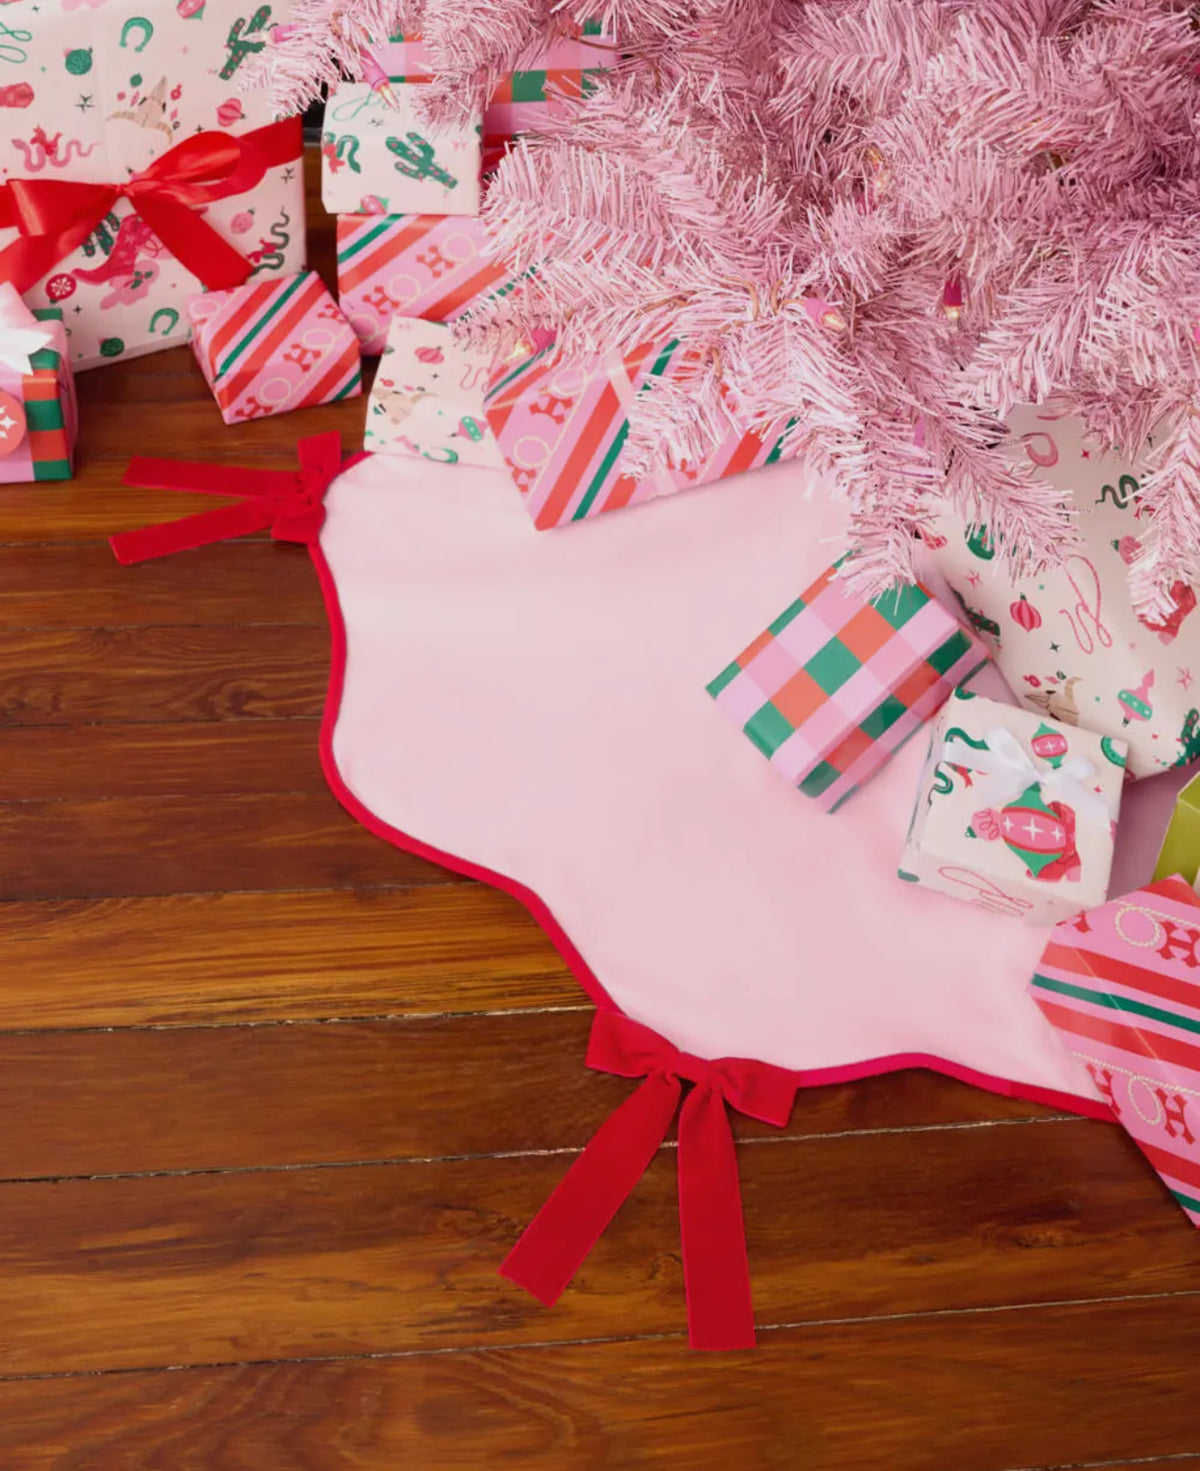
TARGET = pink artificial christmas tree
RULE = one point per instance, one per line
(888, 219)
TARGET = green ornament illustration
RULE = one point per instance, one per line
(1189, 739)
(1109, 747)
(979, 543)
(980, 622)
(112, 347)
(79, 62)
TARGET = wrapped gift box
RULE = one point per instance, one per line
(427, 398)
(382, 155)
(567, 69)
(562, 425)
(272, 346)
(836, 684)
(1180, 851)
(37, 407)
(1121, 986)
(430, 266)
(111, 90)
(1015, 809)
(1068, 642)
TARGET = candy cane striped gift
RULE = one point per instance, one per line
(272, 346)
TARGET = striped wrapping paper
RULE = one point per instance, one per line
(836, 684)
(272, 346)
(568, 68)
(562, 427)
(1121, 986)
(38, 416)
(429, 266)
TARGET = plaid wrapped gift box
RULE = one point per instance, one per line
(562, 426)
(1121, 986)
(38, 416)
(837, 683)
(430, 266)
(272, 346)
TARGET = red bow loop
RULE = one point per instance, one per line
(288, 503)
(715, 1266)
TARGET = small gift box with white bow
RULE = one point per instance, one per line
(37, 393)
(1015, 813)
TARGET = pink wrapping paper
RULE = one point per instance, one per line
(1121, 984)
(273, 346)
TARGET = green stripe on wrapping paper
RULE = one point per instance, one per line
(528, 86)
(277, 306)
(768, 728)
(819, 779)
(793, 610)
(51, 469)
(622, 434)
(899, 604)
(777, 447)
(726, 677)
(1117, 1003)
(350, 387)
(44, 413)
(371, 235)
(946, 655)
(1188, 1202)
(522, 367)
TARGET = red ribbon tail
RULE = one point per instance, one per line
(558, 1239)
(716, 1269)
(200, 530)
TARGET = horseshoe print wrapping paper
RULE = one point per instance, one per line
(96, 92)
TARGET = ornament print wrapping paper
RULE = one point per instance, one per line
(427, 398)
(98, 93)
(567, 70)
(37, 394)
(562, 426)
(272, 346)
(1068, 641)
(1120, 986)
(836, 684)
(1015, 806)
(383, 157)
(431, 266)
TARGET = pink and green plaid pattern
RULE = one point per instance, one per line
(836, 684)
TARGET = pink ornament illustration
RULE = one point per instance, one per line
(986, 824)
(429, 355)
(190, 9)
(20, 94)
(230, 112)
(1025, 614)
(1136, 703)
(242, 222)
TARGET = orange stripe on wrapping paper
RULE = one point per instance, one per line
(587, 442)
(40, 386)
(261, 352)
(340, 369)
(490, 275)
(1127, 1039)
(499, 410)
(745, 456)
(386, 248)
(623, 488)
(237, 320)
(1167, 1162)
(47, 444)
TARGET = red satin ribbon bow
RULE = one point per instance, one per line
(55, 216)
(716, 1271)
(288, 503)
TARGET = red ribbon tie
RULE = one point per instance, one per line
(55, 216)
(716, 1269)
(288, 503)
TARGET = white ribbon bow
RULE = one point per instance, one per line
(1014, 770)
(21, 334)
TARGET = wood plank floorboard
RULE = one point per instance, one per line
(278, 1099)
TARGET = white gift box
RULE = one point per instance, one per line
(427, 398)
(1014, 812)
(380, 159)
(1068, 642)
(96, 94)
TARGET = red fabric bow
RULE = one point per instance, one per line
(288, 503)
(716, 1271)
(55, 216)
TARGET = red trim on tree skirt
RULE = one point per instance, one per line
(716, 1272)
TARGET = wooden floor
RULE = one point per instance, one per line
(277, 1099)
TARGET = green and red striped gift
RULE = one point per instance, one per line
(1121, 986)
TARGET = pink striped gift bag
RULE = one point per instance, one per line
(1121, 986)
